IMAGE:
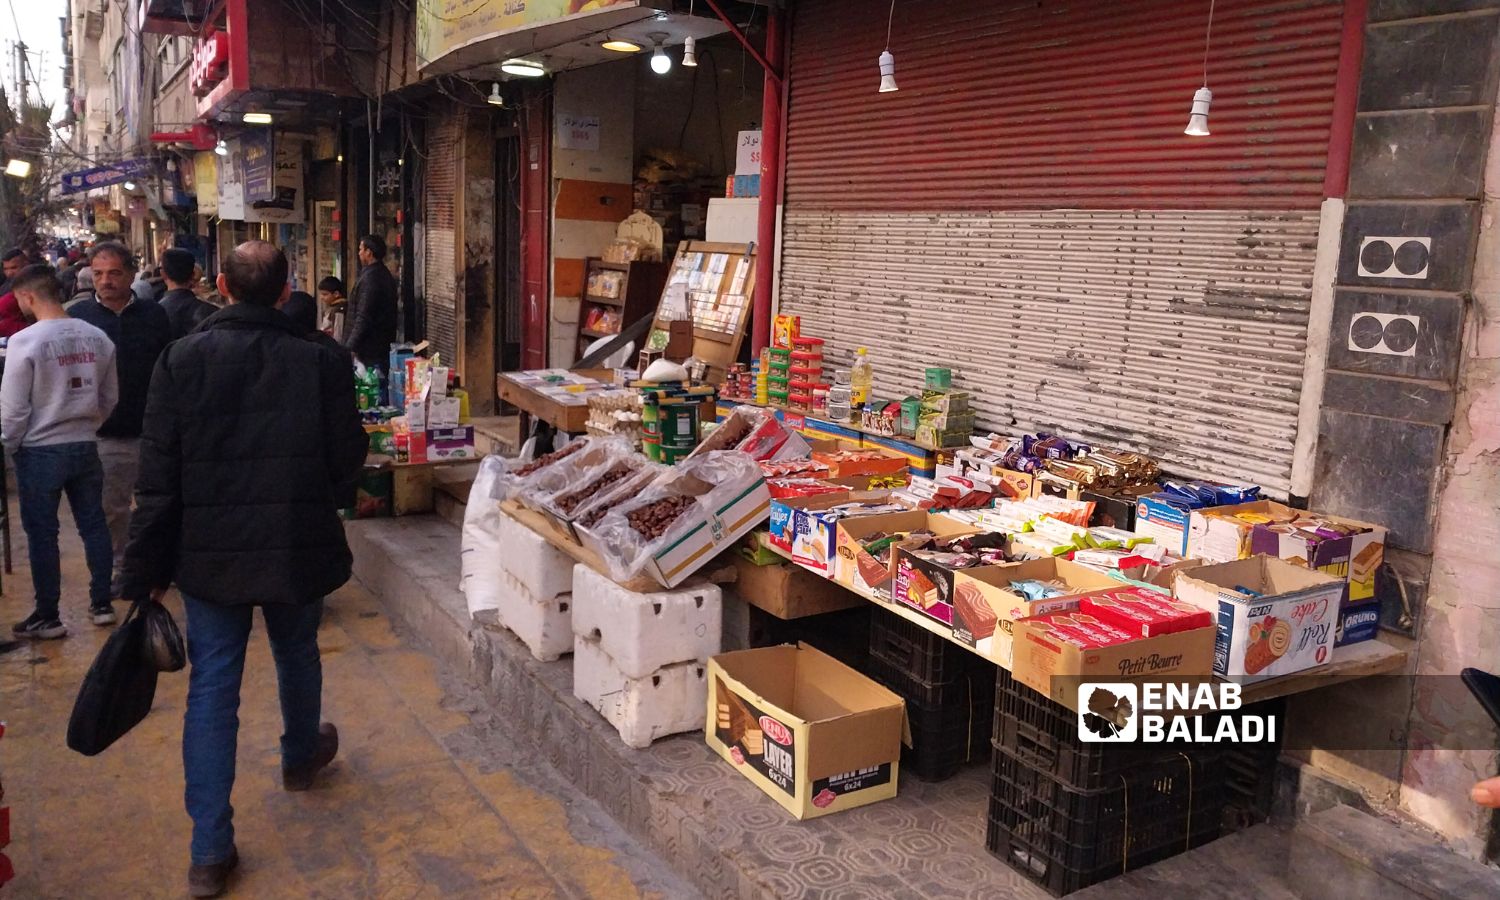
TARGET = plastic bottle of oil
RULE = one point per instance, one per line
(861, 377)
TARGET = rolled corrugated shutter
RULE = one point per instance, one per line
(442, 191)
(1027, 209)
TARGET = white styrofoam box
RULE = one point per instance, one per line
(671, 700)
(545, 570)
(544, 624)
(643, 632)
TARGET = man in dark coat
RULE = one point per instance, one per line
(140, 331)
(251, 436)
(372, 307)
(183, 308)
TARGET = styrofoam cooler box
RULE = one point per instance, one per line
(544, 624)
(671, 700)
(545, 570)
(644, 632)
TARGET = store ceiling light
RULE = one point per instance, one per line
(523, 68)
(690, 52)
(661, 63)
(887, 59)
(621, 46)
(18, 168)
(256, 118)
(1198, 118)
(221, 148)
(494, 99)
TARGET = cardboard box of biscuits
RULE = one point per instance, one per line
(805, 528)
(866, 546)
(987, 602)
(1274, 618)
(812, 733)
(1344, 548)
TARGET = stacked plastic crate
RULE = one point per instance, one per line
(949, 694)
(1068, 814)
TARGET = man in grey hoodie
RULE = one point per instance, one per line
(60, 384)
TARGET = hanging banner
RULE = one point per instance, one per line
(286, 204)
(260, 165)
(446, 25)
(206, 183)
(232, 184)
(104, 176)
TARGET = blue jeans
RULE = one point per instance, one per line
(217, 637)
(43, 475)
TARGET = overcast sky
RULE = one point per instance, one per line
(40, 27)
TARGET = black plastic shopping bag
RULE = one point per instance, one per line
(164, 647)
(118, 689)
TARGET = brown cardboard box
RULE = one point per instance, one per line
(990, 585)
(814, 734)
(787, 591)
(1055, 669)
(856, 569)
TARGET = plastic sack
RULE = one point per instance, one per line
(482, 577)
(689, 494)
(518, 473)
(118, 689)
(591, 511)
(603, 456)
(165, 649)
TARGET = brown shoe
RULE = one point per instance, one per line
(301, 777)
(211, 880)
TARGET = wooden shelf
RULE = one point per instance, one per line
(607, 301)
(589, 332)
(618, 267)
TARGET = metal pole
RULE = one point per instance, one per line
(770, 180)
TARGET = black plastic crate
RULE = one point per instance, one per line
(1065, 839)
(843, 634)
(968, 675)
(946, 738)
(1250, 773)
(1043, 733)
(923, 655)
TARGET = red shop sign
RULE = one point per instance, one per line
(210, 62)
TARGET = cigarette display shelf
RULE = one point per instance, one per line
(1065, 839)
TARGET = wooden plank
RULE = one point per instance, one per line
(578, 552)
(566, 418)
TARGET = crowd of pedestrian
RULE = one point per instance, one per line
(207, 445)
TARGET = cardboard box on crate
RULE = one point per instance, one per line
(435, 425)
(862, 571)
(1274, 618)
(987, 607)
(812, 733)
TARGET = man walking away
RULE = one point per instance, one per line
(183, 308)
(372, 308)
(251, 435)
(59, 384)
(140, 331)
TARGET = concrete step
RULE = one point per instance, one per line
(1362, 855)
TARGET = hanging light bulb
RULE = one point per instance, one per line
(661, 63)
(494, 99)
(887, 73)
(130, 185)
(690, 52)
(221, 148)
(1198, 119)
(887, 59)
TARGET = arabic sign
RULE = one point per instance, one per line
(446, 25)
(259, 165)
(232, 184)
(577, 132)
(287, 198)
(104, 176)
(206, 183)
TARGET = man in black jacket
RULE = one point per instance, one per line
(183, 308)
(372, 307)
(251, 435)
(140, 331)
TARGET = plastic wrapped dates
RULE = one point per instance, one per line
(653, 520)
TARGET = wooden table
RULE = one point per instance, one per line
(411, 483)
(572, 418)
(1351, 663)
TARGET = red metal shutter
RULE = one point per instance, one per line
(1027, 209)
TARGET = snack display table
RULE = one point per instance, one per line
(535, 401)
(1350, 663)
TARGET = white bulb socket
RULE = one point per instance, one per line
(887, 72)
(690, 52)
(1198, 119)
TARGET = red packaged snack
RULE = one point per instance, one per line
(1096, 628)
(788, 488)
(1049, 626)
(1145, 613)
